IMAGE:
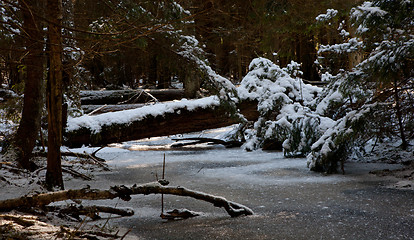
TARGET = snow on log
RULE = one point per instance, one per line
(160, 119)
(123, 192)
(131, 96)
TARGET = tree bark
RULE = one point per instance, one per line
(152, 68)
(398, 113)
(29, 126)
(179, 121)
(54, 95)
(191, 84)
(123, 192)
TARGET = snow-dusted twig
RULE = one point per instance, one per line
(97, 110)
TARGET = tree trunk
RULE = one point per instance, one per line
(152, 69)
(54, 95)
(191, 84)
(181, 120)
(163, 78)
(398, 113)
(29, 126)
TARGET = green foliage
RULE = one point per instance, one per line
(134, 43)
(336, 142)
(283, 102)
(18, 87)
(381, 20)
(359, 103)
(303, 134)
(374, 96)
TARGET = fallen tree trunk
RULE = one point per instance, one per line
(129, 96)
(155, 120)
(123, 192)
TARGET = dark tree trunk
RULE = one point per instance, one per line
(307, 58)
(152, 70)
(54, 95)
(163, 78)
(15, 76)
(398, 113)
(97, 68)
(33, 99)
(191, 84)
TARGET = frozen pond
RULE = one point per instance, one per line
(289, 201)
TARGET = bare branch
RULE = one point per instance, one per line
(123, 192)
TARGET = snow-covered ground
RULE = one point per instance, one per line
(288, 199)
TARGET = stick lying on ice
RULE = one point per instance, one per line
(123, 192)
(198, 140)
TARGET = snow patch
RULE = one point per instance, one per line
(330, 13)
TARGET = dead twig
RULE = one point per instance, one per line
(97, 110)
(11, 168)
(162, 195)
(87, 234)
(76, 174)
(123, 236)
(96, 151)
(97, 160)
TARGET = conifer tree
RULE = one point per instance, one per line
(374, 98)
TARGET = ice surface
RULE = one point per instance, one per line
(236, 165)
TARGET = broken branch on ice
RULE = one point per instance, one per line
(90, 211)
(123, 192)
(198, 140)
(97, 160)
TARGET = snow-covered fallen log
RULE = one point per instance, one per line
(123, 192)
(160, 119)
